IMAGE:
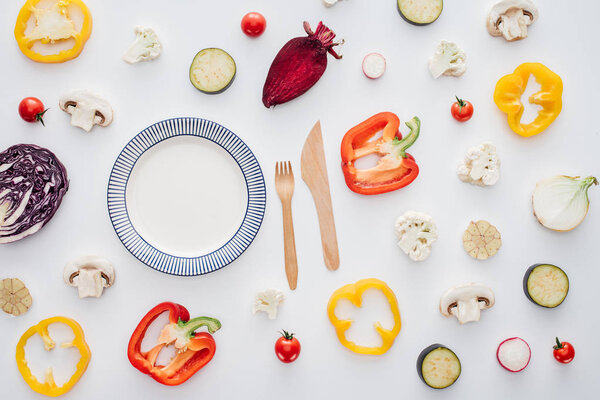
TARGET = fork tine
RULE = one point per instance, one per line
(289, 163)
(277, 168)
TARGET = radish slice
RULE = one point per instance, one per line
(513, 354)
(373, 65)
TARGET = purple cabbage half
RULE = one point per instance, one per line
(32, 184)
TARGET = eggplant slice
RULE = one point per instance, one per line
(546, 285)
(420, 12)
(438, 366)
(212, 71)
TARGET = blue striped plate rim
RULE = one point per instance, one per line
(159, 260)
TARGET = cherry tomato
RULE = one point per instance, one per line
(564, 352)
(462, 110)
(287, 347)
(254, 24)
(32, 109)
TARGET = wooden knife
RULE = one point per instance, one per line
(314, 173)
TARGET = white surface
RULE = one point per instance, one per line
(186, 196)
(564, 38)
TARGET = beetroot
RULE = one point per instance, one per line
(298, 65)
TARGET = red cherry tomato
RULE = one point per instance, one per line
(564, 352)
(32, 109)
(287, 347)
(462, 110)
(254, 24)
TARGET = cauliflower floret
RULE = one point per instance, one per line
(448, 59)
(145, 47)
(416, 232)
(481, 166)
(268, 301)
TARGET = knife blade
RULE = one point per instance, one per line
(314, 174)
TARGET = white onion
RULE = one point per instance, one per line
(561, 203)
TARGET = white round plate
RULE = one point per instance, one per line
(186, 196)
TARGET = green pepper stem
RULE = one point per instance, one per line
(194, 324)
(401, 145)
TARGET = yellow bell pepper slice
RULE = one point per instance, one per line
(353, 292)
(49, 387)
(509, 89)
(52, 25)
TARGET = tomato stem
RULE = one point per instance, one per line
(39, 116)
(287, 335)
(461, 103)
(558, 345)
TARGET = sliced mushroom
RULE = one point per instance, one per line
(510, 19)
(465, 302)
(90, 275)
(86, 109)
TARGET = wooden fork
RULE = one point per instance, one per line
(284, 182)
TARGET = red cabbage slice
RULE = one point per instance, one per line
(32, 184)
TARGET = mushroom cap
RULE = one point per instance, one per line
(71, 270)
(104, 112)
(484, 296)
(503, 7)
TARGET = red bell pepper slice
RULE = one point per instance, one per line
(395, 168)
(194, 349)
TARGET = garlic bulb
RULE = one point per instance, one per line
(560, 203)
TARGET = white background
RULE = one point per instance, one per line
(564, 39)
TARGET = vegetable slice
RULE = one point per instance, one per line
(416, 233)
(48, 23)
(373, 65)
(465, 302)
(546, 285)
(15, 298)
(448, 59)
(212, 71)
(513, 354)
(32, 184)
(268, 301)
(145, 47)
(438, 366)
(481, 240)
(561, 203)
(420, 12)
